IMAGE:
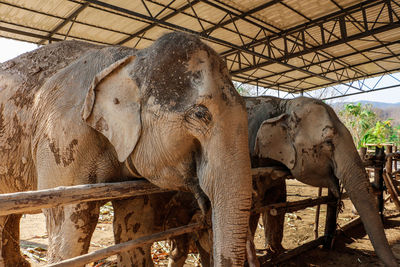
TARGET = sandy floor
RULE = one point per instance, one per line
(354, 249)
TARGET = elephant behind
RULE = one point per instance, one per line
(75, 113)
(304, 136)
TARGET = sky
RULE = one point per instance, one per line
(11, 48)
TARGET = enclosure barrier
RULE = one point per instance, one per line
(33, 201)
(392, 174)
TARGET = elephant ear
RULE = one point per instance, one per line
(112, 107)
(273, 141)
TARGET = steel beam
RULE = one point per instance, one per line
(73, 15)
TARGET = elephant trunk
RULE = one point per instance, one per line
(350, 170)
(226, 179)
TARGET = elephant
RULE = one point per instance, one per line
(76, 113)
(305, 137)
(163, 211)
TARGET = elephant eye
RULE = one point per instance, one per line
(202, 113)
(198, 113)
(328, 144)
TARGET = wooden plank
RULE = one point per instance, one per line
(25, 202)
(287, 255)
(293, 206)
(391, 189)
(112, 250)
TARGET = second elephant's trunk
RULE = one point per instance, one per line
(350, 171)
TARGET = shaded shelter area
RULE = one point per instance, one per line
(291, 46)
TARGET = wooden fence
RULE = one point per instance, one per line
(26, 202)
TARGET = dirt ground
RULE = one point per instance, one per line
(351, 249)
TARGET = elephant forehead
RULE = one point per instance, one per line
(178, 68)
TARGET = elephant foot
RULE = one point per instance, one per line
(274, 250)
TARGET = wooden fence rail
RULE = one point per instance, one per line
(112, 250)
(33, 201)
(29, 201)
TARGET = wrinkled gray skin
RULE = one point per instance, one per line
(160, 212)
(306, 136)
(73, 113)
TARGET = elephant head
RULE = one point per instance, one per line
(309, 139)
(172, 112)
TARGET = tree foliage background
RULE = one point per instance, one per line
(367, 126)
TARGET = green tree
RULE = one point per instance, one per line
(358, 119)
(366, 127)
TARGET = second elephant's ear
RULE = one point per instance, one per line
(112, 107)
(273, 141)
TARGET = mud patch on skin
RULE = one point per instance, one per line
(22, 98)
(2, 126)
(136, 227)
(126, 218)
(18, 132)
(67, 157)
(56, 152)
(172, 78)
(101, 125)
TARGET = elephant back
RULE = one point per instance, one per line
(259, 109)
(26, 73)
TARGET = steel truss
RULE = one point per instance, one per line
(365, 85)
(263, 49)
(302, 49)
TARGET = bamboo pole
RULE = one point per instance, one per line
(112, 250)
(24, 202)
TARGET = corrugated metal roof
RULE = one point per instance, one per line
(288, 45)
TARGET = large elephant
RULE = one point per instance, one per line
(74, 113)
(306, 137)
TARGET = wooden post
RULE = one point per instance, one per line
(330, 223)
(362, 152)
(395, 158)
(389, 164)
(317, 212)
(378, 176)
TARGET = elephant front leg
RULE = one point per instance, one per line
(133, 218)
(70, 229)
(179, 251)
(9, 245)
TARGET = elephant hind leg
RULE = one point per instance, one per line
(9, 245)
(70, 229)
(273, 225)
